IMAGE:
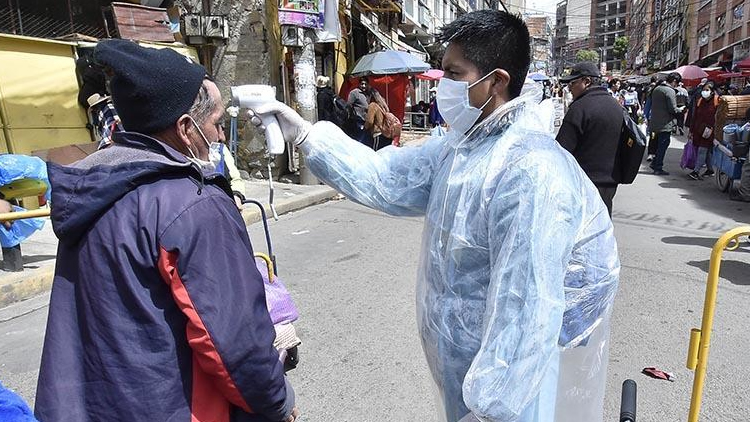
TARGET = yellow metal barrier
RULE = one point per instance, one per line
(700, 340)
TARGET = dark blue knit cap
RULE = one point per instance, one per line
(151, 88)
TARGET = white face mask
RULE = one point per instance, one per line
(214, 153)
(706, 94)
(453, 103)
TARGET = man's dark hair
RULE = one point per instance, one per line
(613, 82)
(492, 39)
(674, 76)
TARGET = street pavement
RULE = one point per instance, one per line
(351, 271)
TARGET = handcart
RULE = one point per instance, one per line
(727, 168)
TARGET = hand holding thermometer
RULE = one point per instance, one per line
(252, 96)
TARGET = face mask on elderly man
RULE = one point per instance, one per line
(215, 157)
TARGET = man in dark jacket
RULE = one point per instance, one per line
(592, 127)
(664, 115)
(157, 310)
(325, 98)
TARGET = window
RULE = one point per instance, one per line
(703, 36)
(720, 24)
(409, 7)
(737, 14)
(446, 10)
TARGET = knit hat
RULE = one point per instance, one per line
(151, 88)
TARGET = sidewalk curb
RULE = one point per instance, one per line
(251, 214)
(24, 285)
(18, 287)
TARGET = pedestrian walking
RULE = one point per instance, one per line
(631, 103)
(325, 98)
(359, 100)
(702, 130)
(519, 266)
(157, 310)
(647, 115)
(664, 111)
(683, 99)
(592, 128)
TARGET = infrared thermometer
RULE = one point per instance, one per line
(251, 96)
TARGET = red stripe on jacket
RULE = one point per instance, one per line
(212, 385)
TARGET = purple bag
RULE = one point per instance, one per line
(689, 154)
(278, 300)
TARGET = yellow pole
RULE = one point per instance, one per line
(708, 317)
(269, 265)
(12, 216)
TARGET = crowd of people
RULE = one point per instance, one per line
(510, 332)
(151, 241)
(591, 128)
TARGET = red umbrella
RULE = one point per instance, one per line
(691, 72)
(431, 75)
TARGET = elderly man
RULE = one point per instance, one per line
(519, 264)
(591, 129)
(157, 310)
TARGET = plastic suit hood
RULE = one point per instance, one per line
(519, 264)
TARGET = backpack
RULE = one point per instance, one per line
(630, 151)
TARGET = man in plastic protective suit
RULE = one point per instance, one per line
(519, 264)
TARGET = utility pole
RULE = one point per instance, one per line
(305, 94)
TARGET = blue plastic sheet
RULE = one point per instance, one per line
(20, 230)
(13, 408)
(15, 167)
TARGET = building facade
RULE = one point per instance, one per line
(573, 22)
(667, 45)
(608, 22)
(639, 35)
(540, 31)
(560, 37)
(721, 34)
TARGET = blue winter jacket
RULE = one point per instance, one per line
(157, 311)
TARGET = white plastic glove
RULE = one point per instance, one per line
(293, 126)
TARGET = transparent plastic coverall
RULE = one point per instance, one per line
(519, 264)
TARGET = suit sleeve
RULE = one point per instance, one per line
(206, 259)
